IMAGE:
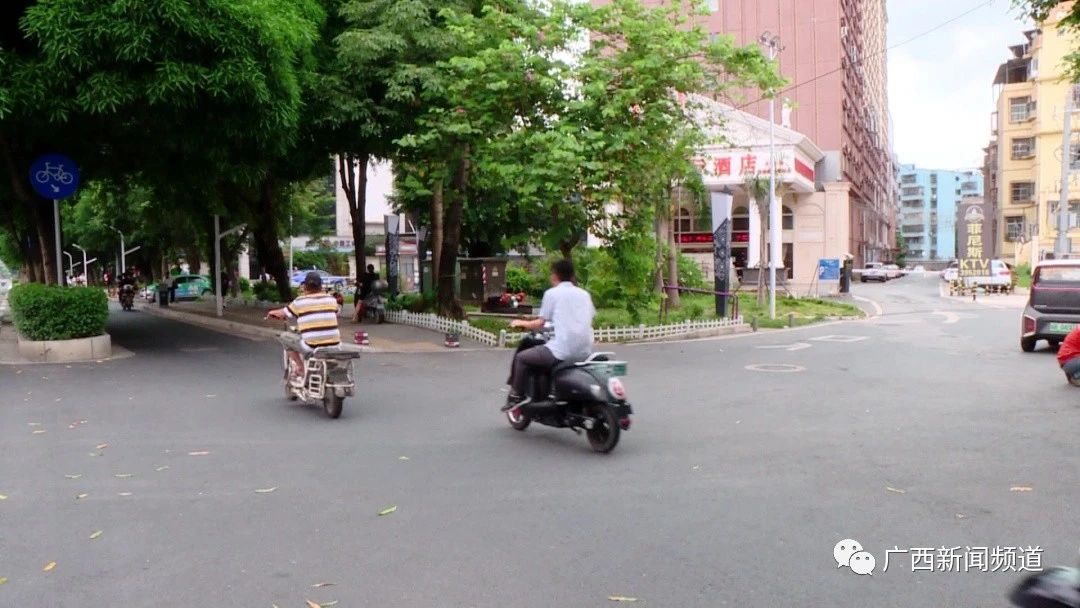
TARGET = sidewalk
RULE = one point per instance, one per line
(9, 350)
(1016, 300)
(248, 322)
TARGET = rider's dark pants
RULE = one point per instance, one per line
(527, 362)
(1072, 368)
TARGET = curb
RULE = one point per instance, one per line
(261, 334)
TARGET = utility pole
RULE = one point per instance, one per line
(1063, 246)
(772, 43)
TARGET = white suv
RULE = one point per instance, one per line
(874, 271)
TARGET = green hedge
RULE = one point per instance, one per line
(45, 312)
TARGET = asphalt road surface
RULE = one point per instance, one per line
(924, 427)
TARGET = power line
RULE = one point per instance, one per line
(887, 49)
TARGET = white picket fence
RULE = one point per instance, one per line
(443, 325)
(653, 332)
(602, 334)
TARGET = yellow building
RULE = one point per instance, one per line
(1028, 124)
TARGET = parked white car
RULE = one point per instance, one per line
(874, 271)
(919, 269)
(892, 271)
(951, 272)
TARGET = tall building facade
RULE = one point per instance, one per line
(1023, 159)
(928, 202)
(833, 55)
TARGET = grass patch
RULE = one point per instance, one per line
(699, 306)
(1023, 275)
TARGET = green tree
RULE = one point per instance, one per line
(196, 97)
(901, 250)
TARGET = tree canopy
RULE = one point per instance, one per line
(509, 123)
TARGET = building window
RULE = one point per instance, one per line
(1023, 147)
(1014, 227)
(787, 219)
(1074, 214)
(1020, 109)
(684, 221)
(1021, 192)
(740, 219)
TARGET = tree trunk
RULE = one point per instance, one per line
(436, 232)
(267, 244)
(658, 262)
(42, 257)
(350, 168)
(674, 301)
(447, 299)
(763, 254)
(566, 248)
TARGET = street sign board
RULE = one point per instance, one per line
(828, 269)
(54, 176)
(973, 250)
(973, 267)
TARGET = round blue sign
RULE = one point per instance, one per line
(54, 176)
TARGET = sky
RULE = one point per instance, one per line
(941, 85)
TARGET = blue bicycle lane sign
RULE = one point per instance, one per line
(54, 176)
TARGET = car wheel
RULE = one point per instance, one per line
(1028, 344)
(862, 280)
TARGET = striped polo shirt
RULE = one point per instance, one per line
(316, 319)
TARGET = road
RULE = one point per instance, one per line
(907, 430)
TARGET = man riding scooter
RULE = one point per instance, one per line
(316, 315)
(570, 310)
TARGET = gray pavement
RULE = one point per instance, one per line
(731, 489)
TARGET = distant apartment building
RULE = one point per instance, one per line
(1023, 158)
(833, 54)
(928, 203)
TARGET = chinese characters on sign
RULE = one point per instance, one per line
(737, 164)
(972, 247)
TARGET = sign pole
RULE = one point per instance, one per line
(721, 225)
(59, 258)
(1062, 245)
(217, 263)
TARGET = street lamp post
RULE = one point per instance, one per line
(218, 235)
(71, 264)
(83, 257)
(771, 42)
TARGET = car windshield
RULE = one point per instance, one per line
(1058, 274)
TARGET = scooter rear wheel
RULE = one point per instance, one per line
(333, 404)
(604, 436)
(517, 420)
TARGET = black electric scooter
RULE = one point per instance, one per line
(580, 396)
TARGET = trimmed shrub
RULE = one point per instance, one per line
(690, 274)
(43, 312)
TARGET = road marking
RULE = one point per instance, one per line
(950, 317)
(842, 339)
(788, 347)
(775, 368)
(878, 311)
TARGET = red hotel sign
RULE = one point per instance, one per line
(702, 238)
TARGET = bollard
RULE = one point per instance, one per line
(753, 324)
(502, 338)
(791, 319)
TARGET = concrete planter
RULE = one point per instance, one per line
(66, 351)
